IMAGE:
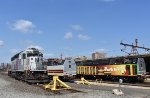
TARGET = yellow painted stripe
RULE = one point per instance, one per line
(95, 70)
(131, 70)
(89, 71)
(84, 70)
(80, 70)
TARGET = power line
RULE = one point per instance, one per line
(133, 47)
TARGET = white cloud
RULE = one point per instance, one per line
(36, 46)
(100, 50)
(76, 27)
(1, 43)
(83, 37)
(23, 26)
(68, 35)
(107, 0)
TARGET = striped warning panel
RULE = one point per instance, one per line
(55, 71)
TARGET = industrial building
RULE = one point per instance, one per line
(98, 55)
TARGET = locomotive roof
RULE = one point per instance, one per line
(16, 55)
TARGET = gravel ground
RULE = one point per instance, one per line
(11, 88)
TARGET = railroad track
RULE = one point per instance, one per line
(145, 84)
(41, 85)
(58, 92)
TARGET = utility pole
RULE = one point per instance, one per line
(133, 47)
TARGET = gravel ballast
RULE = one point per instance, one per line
(11, 88)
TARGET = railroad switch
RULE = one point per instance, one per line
(56, 84)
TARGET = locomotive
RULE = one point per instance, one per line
(27, 66)
(64, 68)
(130, 69)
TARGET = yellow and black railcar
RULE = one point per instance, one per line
(129, 69)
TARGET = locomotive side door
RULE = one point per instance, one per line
(141, 66)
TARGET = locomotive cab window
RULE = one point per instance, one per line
(33, 54)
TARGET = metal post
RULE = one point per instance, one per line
(120, 82)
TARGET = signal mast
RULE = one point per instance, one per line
(133, 48)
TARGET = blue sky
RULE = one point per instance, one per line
(72, 27)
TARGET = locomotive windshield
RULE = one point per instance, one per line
(34, 54)
(130, 61)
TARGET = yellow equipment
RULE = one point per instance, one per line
(83, 81)
(56, 84)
